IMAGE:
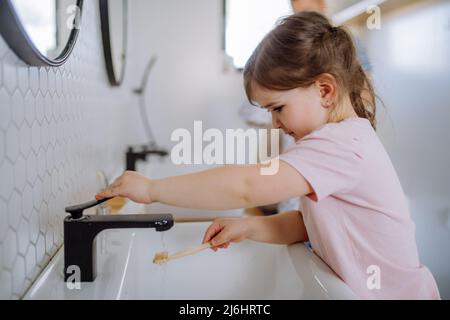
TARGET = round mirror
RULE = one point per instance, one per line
(113, 17)
(41, 33)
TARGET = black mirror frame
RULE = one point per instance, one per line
(114, 80)
(18, 40)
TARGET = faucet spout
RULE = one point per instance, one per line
(80, 233)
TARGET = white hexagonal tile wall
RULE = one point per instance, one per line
(42, 163)
(40, 107)
(22, 77)
(37, 194)
(30, 108)
(2, 146)
(31, 168)
(48, 103)
(47, 186)
(18, 108)
(35, 137)
(49, 242)
(5, 109)
(34, 226)
(52, 133)
(25, 139)
(9, 249)
(50, 158)
(43, 80)
(55, 182)
(58, 83)
(3, 220)
(20, 171)
(27, 201)
(43, 218)
(6, 281)
(14, 210)
(44, 135)
(7, 174)
(9, 71)
(34, 79)
(48, 118)
(51, 81)
(12, 142)
(30, 261)
(40, 250)
(19, 275)
(23, 237)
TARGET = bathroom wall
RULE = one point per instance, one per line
(58, 127)
(190, 80)
(411, 70)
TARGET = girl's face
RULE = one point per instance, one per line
(297, 112)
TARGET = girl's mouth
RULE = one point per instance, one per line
(289, 133)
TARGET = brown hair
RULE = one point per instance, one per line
(301, 48)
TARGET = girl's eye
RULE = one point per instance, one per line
(277, 109)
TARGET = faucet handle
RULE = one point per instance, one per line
(76, 211)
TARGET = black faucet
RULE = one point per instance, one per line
(80, 233)
(132, 155)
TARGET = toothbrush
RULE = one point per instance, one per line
(163, 257)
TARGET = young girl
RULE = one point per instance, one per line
(353, 209)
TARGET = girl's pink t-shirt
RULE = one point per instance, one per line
(358, 218)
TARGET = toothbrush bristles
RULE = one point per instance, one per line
(161, 257)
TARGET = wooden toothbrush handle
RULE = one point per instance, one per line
(189, 251)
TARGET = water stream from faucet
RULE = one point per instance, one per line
(164, 268)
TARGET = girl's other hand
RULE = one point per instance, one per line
(224, 231)
(131, 185)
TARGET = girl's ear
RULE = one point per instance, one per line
(327, 87)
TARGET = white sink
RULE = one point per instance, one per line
(248, 270)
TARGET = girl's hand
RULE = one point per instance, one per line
(131, 185)
(223, 231)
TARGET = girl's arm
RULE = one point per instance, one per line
(227, 187)
(283, 228)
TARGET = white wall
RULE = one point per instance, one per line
(411, 61)
(188, 82)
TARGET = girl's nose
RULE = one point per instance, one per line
(275, 122)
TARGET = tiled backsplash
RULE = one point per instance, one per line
(58, 127)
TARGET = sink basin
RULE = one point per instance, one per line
(247, 270)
